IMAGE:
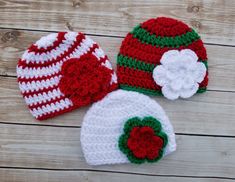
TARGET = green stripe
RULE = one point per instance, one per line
(141, 90)
(183, 40)
(149, 91)
(134, 63)
(138, 64)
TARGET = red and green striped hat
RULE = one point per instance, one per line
(163, 56)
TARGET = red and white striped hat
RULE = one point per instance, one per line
(64, 71)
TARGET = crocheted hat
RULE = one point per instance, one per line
(163, 56)
(63, 71)
(126, 127)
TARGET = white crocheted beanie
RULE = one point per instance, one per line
(64, 71)
(125, 127)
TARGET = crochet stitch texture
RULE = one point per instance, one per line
(143, 140)
(104, 123)
(63, 71)
(179, 74)
(142, 49)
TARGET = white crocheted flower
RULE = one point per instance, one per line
(179, 73)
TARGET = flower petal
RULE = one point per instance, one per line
(189, 55)
(176, 84)
(152, 154)
(169, 93)
(200, 72)
(171, 74)
(135, 132)
(139, 153)
(186, 93)
(132, 144)
(158, 142)
(169, 56)
(159, 75)
(146, 130)
(188, 82)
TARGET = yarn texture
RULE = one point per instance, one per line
(179, 73)
(112, 126)
(143, 140)
(143, 48)
(63, 71)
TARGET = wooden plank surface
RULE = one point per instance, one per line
(29, 175)
(50, 150)
(208, 113)
(13, 43)
(214, 19)
(59, 148)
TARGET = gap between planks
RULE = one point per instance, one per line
(81, 174)
(72, 126)
(96, 35)
(213, 19)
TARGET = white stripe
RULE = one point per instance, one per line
(43, 97)
(99, 53)
(107, 64)
(45, 57)
(38, 72)
(51, 108)
(46, 41)
(113, 79)
(38, 85)
(84, 47)
(27, 72)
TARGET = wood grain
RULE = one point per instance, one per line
(22, 175)
(214, 19)
(59, 148)
(208, 113)
(13, 43)
(50, 150)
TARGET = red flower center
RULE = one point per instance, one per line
(144, 143)
(84, 80)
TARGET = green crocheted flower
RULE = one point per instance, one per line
(143, 140)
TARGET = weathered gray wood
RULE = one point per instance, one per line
(59, 148)
(22, 175)
(208, 113)
(214, 19)
(55, 147)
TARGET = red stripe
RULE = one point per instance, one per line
(56, 113)
(79, 39)
(36, 105)
(132, 47)
(143, 79)
(102, 60)
(163, 26)
(45, 103)
(20, 79)
(60, 38)
(31, 93)
(54, 61)
(136, 78)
